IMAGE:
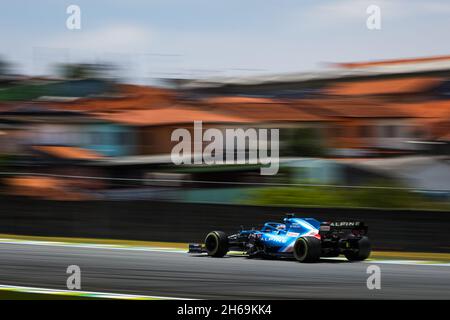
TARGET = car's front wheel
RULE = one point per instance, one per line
(216, 243)
(307, 249)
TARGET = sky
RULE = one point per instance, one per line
(209, 38)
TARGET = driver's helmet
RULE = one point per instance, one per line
(281, 227)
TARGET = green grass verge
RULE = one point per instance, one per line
(14, 295)
(335, 197)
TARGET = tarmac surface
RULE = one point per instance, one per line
(179, 275)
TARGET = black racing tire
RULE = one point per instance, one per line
(216, 243)
(307, 249)
(362, 252)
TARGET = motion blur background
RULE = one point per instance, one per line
(364, 115)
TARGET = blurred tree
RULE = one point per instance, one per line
(337, 197)
(301, 142)
(85, 70)
(5, 66)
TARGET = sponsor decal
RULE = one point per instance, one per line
(345, 224)
(293, 234)
(278, 239)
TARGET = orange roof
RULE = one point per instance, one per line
(352, 65)
(434, 115)
(146, 90)
(69, 152)
(44, 187)
(385, 86)
(154, 117)
(132, 97)
(352, 108)
(269, 112)
(34, 182)
(355, 111)
(236, 99)
(438, 109)
(314, 110)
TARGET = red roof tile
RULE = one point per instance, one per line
(392, 62)
(236, 99)
(173, 115)
(348, 108)
(131, 97)
(269, 112)
(439, 109)
(69, 152)
(383, 86)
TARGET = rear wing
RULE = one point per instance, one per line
(357, 228)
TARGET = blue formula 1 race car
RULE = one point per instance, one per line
(304, 239)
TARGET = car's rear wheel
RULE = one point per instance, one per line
(362, 251)
(307, 249)
(216, 243)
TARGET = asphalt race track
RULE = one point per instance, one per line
(176, 274)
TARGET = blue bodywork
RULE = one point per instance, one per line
(279, 237)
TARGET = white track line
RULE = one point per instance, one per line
(410, 262)
(79, 293)
(91, 246)
(184, 251)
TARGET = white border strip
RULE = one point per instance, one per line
(88, 294)
(91, 245)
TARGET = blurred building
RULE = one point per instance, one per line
(97, 127)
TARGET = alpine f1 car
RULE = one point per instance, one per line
(304, 239)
